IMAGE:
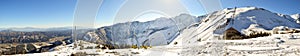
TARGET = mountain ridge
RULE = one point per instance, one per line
(189, 28)
(240, 19)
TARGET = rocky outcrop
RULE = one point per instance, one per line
(21, 49)
(31, 48)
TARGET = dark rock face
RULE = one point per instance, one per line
(44, 49)
(56, 43)
(47, 48)
(25, 48)
(68, 41)
(230, 33)
(11, 51)
(20, 49)
(31, 48)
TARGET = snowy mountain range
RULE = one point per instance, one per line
(242, 19)
(157, 32)
(186, 29)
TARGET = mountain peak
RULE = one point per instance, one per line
(242, 17)
(238, 10)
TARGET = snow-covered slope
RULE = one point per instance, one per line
(157, 32)
(213, 26)
(190, 29)
(296, 17)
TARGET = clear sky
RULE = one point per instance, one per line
(36, 13)
(59, 13)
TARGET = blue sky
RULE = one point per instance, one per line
(59, 13)
(36, 13)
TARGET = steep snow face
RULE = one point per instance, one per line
(213, 26)
(157, 32)
(296, 17)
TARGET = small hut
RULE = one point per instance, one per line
(231, 34)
